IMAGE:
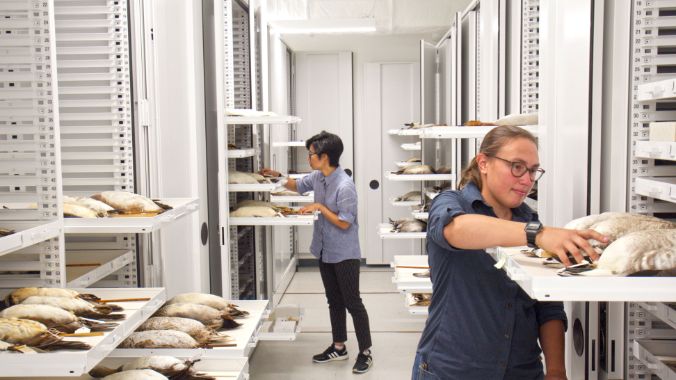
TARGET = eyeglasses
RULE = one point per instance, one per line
(520, 168)
(310, 153)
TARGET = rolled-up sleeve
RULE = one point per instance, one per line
(307, 183)
(550, 311)
(445, 207)
(347, 203)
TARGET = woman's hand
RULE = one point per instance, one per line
(267, 172)
(561, 241)
(311, 208)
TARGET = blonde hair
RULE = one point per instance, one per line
(490, 146)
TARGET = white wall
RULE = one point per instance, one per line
(397, 48)
(179, 90)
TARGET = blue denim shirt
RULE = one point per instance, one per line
(330, 243)
(481, 324)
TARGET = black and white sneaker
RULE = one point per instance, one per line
(330, 354)
(363, 363)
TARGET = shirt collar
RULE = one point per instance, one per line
(472, 193)
(332, 177)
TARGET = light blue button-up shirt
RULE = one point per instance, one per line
(338, 193)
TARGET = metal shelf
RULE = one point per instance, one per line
(241, 120)
(655, 354)
(76, 363)
(287, 144)
(291, 220)
(131, 224)
(543, 284)
(404, 267)
(664, 89)
(253, 187)
(414, 310)
(464, 132)
(418, 177)
(664, 311)
(663, 188)
(27, 234)
(385, 232)
(413, 147)
(661, 150)
(245, 337)
(85, 268)
(241, 153)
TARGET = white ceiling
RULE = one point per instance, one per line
(431, 18)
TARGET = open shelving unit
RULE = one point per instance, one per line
(77, 363)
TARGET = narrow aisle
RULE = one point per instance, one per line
(395, 333)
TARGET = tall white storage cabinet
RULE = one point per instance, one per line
(30, 167)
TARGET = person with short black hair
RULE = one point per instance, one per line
(335, 242)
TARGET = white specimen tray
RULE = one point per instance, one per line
(288, 329)
(413, 147)
(27, 234)
(76, 363)
(290, 220)
(181, 207)
(418, 177)
(236, 120)
(663, 89)
(284, 144)
(405, 164)
(420, 215)
(396, 203)
(663, 188)
(465, 132)
(662, 150)
(414, 310)
(252, 187)
(231, 369)
(403, 277)
(655, 354)
(292, 198)
(406, 131)
(297, 175)
(244, 336)
(86, 267)
(241, 153)
(543, 284)
(385, 232)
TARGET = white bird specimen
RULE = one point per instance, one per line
(53, 317)
(211, 300)
(159, 339)
(78, 211)
(17, 296)
(194, 328)
(77, 306)
(638, 251)
(126, 202)
(136, 374)
(35, 334)
(209, 316)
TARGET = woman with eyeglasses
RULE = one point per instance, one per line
(335, 242)
(481, 324)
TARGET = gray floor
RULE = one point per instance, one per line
(394, 332)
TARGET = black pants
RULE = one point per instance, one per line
(341, 284)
